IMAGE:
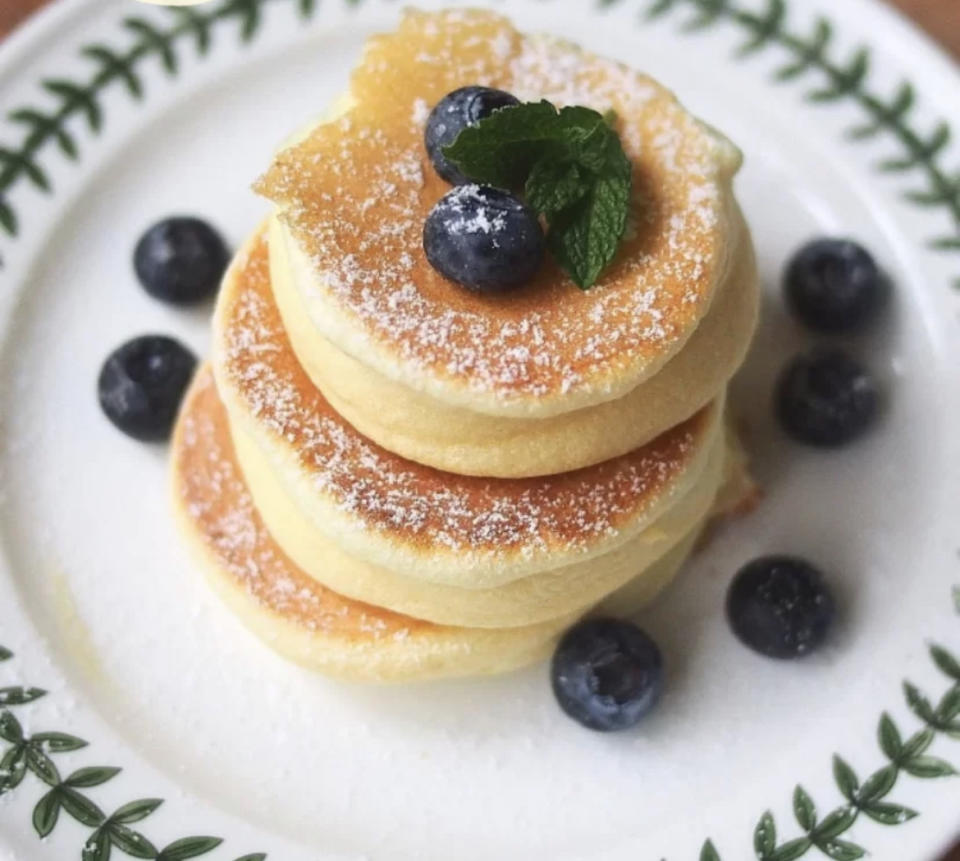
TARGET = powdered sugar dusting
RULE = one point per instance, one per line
(493, 517)
(355, 202)
(479, 218)
(216, 499)
(420, 113)
(559, 71)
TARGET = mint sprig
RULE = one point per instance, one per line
(573, 171)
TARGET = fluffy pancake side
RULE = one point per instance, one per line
(290, 611)
(537, 598)
(429, 431)
(313, 625)
(638, 593)
(412, 519)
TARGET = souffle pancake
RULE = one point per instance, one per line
(398, 470)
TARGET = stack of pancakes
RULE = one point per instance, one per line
(393, 477)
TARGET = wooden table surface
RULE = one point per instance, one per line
(940, 18)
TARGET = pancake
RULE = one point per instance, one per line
(291, 612)
(352, 198)
(392, 478)
(411, 519)
(537, 598)
(422, 428)
(637, 594)
(312, 625)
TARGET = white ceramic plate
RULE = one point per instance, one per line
(104, 609)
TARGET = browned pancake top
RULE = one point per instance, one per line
(214, 496)
(356, 193)
(411, 502)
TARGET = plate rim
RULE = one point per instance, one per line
(819, 832)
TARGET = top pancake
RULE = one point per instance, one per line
(354, 195)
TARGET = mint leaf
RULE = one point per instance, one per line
(555, 185)
(584, 239)
(594, 150)
(572, 168)
(501, 149)
(576, 122)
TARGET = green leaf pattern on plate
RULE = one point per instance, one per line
(867, 798)
(905, 757)
(922, 152)
(66, 796)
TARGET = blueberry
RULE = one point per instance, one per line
(825, 398)
(780, 606)
(607, 674)
(142, 383)
(834, 285)
(181, 260)
(483, 238)
(455, 111)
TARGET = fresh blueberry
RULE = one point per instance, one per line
(455, 111)
(780, 606)
(826, 398)
(483, 238)
(142, 383)
(607, 674)
(181, 260)
(834, 285)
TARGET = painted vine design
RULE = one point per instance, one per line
(869, 797)
(922, 153)
(47, 125)
(34, 755)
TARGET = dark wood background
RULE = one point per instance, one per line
(940, 18)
